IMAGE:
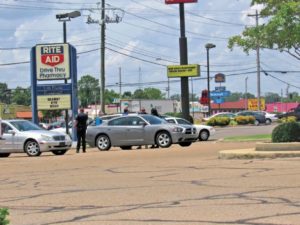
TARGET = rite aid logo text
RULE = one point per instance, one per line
(52, 55)
(52, 62)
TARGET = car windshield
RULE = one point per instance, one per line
(183, 121)
(24, 125)
(153, 119)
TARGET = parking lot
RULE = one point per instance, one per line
(151, 186)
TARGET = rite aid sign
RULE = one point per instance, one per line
(52, 62)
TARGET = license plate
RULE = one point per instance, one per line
(62, 143)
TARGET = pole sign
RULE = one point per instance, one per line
(52, 62)
(179, 1)
(220, 88)
(219, 78)
(192, 70)
(219, 94)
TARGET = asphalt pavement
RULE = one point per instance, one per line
(151, 186)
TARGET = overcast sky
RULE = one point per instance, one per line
(143, 43)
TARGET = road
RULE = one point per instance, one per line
(181, 186)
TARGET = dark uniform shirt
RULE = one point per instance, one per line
(81, 121)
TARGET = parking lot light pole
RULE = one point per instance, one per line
(208, 46)
(64, 17)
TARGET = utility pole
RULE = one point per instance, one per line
(102, 53)
(120, 87)
(102, 22)
(140, 87)
(185, 105)
(257, 62)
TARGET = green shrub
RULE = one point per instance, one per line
(218, 121)
(242, 120)
(3, 214)
(286, 132)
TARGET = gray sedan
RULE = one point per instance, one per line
(24, 136)
(136, 130)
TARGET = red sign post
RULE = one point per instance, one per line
(179, 1)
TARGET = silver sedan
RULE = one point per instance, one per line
(136, 130)
(24, 136)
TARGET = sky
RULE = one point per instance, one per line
(143, 43)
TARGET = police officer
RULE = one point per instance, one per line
(81, 125)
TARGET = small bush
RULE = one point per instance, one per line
(287, 119)
(242, 120)
(286, 132)
(218, 121)
(3, 214)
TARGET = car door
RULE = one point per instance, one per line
(7, 141)
(135, 130)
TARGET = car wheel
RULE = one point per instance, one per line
(103, 142)
(163, 139)
(4, 155)
(32, 148)
(268, 121)
(185, 144)
(203, 135)
(125, 147)
(256, 122)
(59, 152)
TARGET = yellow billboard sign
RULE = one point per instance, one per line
(53, 102)
(192, 70)
(253, 104)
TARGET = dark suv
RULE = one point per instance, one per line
(294, 112)
(259, 116)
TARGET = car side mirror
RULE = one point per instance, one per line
(12, 132)
(142, 123)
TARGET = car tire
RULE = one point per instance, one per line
(125, 147)
(32, 148)
(59, 152)
(185, 144)
(268, 121)
(256, 122)
(203, 135)
(103, 142)
(4, 155)
(163, 139)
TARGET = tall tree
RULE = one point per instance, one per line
(88, 90)
(4, 93)
(21, 96)
(280, 32)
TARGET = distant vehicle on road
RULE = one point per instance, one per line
(203, 131)
(260, 118)
(136, 130)
(20, 136)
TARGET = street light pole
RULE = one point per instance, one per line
(64, 18)
(208, 46)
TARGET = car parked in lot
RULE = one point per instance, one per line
(270, 117)
(260, 118)
(293, 112)
(19, 136)
(203, 131)
(136, 130)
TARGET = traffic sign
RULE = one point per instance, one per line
(219, 94)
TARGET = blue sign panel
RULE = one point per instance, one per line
(219, 100)
(54, 89)
(220, 88)
(219, 94)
